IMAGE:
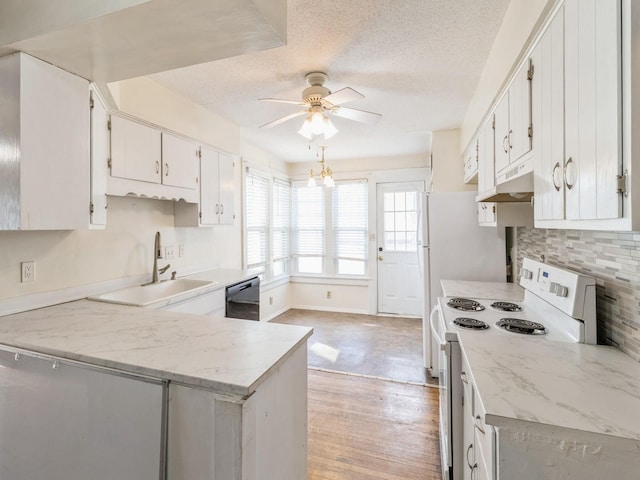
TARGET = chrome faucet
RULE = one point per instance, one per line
(156, 255)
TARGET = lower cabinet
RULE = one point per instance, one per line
(479, 439)
(222, 437)
(64, 420)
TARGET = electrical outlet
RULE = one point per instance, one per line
(328, 294)
(170, 252)
(28, 272)
(180, 250)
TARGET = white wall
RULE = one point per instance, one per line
(344, 298)
(521, 19)
(447, 165)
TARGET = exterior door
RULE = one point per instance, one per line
(399, 277)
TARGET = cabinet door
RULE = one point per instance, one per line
(592, 108)
(64, 421)
(520, 114)
(501, 143)
(99, 158)
(135, 150)
(486, 157)
(468, 461)
(209, 187)
(548, 122)
(225, 171)
(179, 162)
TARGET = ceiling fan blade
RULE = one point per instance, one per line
(284, 119)
(293, 102)
(361, 116)
(343, 96)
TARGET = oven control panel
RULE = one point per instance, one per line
(566, 290)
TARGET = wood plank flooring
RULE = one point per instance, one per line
(364, 428)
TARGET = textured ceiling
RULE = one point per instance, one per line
(417, 62)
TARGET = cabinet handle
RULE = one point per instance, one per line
(222, 209)
(473, 471)
(157, 166)
(477, 424)
(554, 175)
(166, 167)
(217, 209)
(463, 377)
(467, 455)
(566, 169)
(509, 135)
(504, 143)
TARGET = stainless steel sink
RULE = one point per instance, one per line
(147, 295)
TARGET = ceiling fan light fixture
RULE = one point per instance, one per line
(317, 123)
(329, 129)
(305, 130)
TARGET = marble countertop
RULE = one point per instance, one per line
(223, 276)
(509, 292)
(591, 388)
(226, 355)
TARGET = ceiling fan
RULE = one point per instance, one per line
(318, 103)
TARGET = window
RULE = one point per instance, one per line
(400, 221)
(330, 228)
(308, 228)
(281, 216)
(268, 214)
(257, 215)
(350, 231)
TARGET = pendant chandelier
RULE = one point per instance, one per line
(325, 174)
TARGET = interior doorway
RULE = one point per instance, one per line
(400, 288)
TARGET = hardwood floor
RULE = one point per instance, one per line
(364, 428)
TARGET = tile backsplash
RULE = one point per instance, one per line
(613, 259)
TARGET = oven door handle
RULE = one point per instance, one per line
(435, 313)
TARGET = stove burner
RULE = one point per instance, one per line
(506, 306)
(520, 325)
(465, 304)
(470, 323)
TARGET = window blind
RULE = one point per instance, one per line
(350, 227)
(308, 228)
(281, 220)
(257, 215)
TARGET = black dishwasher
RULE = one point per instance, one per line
(243, 300)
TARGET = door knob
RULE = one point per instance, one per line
(380, 257)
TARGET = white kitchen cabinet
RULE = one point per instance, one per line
(45, 135)
(216, 205)
(65, 420)
(99, 161)
(471, 162)
(179, 162)
(505, 214)
(224, 437)
(513, 129)
(592, 109)
(579, 152)
(486, 156)
(479, 439)
(135, 151)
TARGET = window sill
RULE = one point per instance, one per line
(331, 280)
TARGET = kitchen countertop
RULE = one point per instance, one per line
(589, 388)
(223, 276)
(509, 292)
(226, 355)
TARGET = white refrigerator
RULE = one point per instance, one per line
(454, 247)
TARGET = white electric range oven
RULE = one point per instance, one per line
(559, 305)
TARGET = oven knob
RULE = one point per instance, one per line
(562, 291)
(553, 287)
(526, 274)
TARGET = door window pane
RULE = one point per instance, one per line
(400, 221)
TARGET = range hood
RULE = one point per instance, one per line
(513, 184)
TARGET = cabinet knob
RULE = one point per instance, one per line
(380, 257)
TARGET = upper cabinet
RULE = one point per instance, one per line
(216, 205)
(44, 159)
(471, 163)
(579, 112)
(179, 162)
(486, 156)
(513, 129)
(99, 161)
(135, 151)
(149, 162)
